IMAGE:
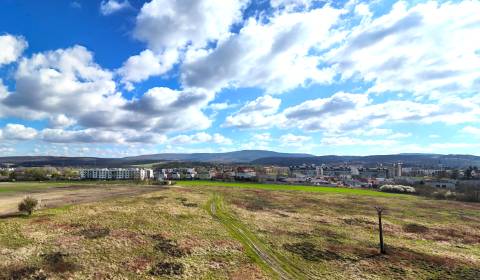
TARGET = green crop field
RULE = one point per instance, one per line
(215, 230)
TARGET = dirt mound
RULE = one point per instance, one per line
(95, 232)
(415, 228)
(168, 246)
(58, 262)
(26, 273)
(167, 268)
(308, 251)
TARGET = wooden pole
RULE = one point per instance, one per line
(380, 229)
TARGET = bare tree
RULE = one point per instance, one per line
(380, 228)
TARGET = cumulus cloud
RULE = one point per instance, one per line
(12, 48)
(164, 24)
(171, 27)
(65, 80)
(257, 113)
(17, 132)
(428, 49)
(60, 121)
(348, 112)
(108, 7)
(67, 87)
(353, 113)
(173, 110)
(140, 67)
(275, 55)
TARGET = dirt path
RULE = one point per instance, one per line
(59, 196)
(255, 247)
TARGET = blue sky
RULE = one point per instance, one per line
(118, 78)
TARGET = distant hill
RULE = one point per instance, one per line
(237, 156)
(244, 156)
(259, 157)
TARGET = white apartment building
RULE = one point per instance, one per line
(116, 174)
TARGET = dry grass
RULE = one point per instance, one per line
(168, 234)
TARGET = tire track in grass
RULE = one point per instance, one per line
(256, 249)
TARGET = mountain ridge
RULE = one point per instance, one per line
(260, 157)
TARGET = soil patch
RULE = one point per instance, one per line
(415, 228)
(26, 273)
(356, 221)
(168, 246)
(95, 232)
(58, 262)
(167, 268)
(309, 252)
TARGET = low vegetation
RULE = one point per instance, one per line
(27, 205)
(206, 231)
(397, 189)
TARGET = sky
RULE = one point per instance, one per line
(119, 78)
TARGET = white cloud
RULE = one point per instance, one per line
(60, 121)
(475, 131)
(65, 80)
(67, 87)
(349, 112)
(99, 136)
(263, 136)
(11, 48)
(171, 27)
(372, 132)
(221, 106)
(429, 49)
(140, 67)
(348, 141)
(257, 113)
(6, 150)
(277, 54)
(17, 132)
(201, 137)
(108, 7)
(291, 5)
(399, 135)
(165, 24)
(294, 140)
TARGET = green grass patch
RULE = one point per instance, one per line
(280, 187)
(11, 236)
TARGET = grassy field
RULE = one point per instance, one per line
(207, 230)
(280, 187)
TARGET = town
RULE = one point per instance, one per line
(341, 175)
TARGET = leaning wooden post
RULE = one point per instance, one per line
(380, 229)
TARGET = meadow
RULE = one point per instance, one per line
(216, 230)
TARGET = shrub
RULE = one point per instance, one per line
(397, 189)
(28, 204)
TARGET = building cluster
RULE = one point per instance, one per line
(116, 174)
(175, 174)
(349, 175)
